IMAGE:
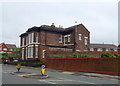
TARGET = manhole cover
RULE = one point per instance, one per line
(37, 76)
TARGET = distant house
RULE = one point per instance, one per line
(101, 48)
(7, 48)
(37, 40)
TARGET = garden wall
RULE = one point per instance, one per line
(96, 65)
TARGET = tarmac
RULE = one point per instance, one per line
(86, 74)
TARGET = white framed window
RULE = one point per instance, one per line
(107, 49)
(37, 37)
(5, 49)
(60, 38)
(26, 40)
(99, 49)
(86, 40)
(80, 36)
(68, 38)
(0, 48)
(22, 53)
(65, 39)
(11, 49)
(29, 37)
(23, 40)
(36, 51)
(115, 50)
(26, 52)
(29, 52)
(32, 37)
(91, 49)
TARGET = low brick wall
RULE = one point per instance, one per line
(96, 65)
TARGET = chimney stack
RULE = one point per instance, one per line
(52, 26)
(60, 26)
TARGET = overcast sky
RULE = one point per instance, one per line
(100, 18)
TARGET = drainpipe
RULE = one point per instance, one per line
(75, 34)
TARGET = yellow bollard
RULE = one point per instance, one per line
(43, 70)
(18, 67)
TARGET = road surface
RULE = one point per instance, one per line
(58, 78)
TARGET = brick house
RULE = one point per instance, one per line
(101, 48)
(7, 48)
(37, 40)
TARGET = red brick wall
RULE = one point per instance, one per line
(97, 65)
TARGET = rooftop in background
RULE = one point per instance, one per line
(10, 46)
(110, 46)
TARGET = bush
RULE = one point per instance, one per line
(78, 55)
(29, 63)
(108, 55)
(116, 55)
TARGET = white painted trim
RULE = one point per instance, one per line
(43, 53)
(77, 50)
(68, 44)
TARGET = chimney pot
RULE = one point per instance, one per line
(52, 26)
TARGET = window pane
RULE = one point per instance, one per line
(5, 49)
(60, 38)
(80, 36)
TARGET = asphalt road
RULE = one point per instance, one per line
(54, 77)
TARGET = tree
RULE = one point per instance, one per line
(17, 53)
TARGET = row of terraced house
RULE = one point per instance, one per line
(38, 40)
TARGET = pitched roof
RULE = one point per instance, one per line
(109, 46)
(58, 30)
(11, 46)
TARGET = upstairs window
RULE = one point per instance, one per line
(80, 36)
(37, 37)
(65, 39)
(107, 49)
(60, 38)
(115, 50)
(68, 38)
(23, 40)
(91, 49)
(26, 40)
(5, 49)
(86, 40)
(11, 49)
(99, 49)
(32, 37)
